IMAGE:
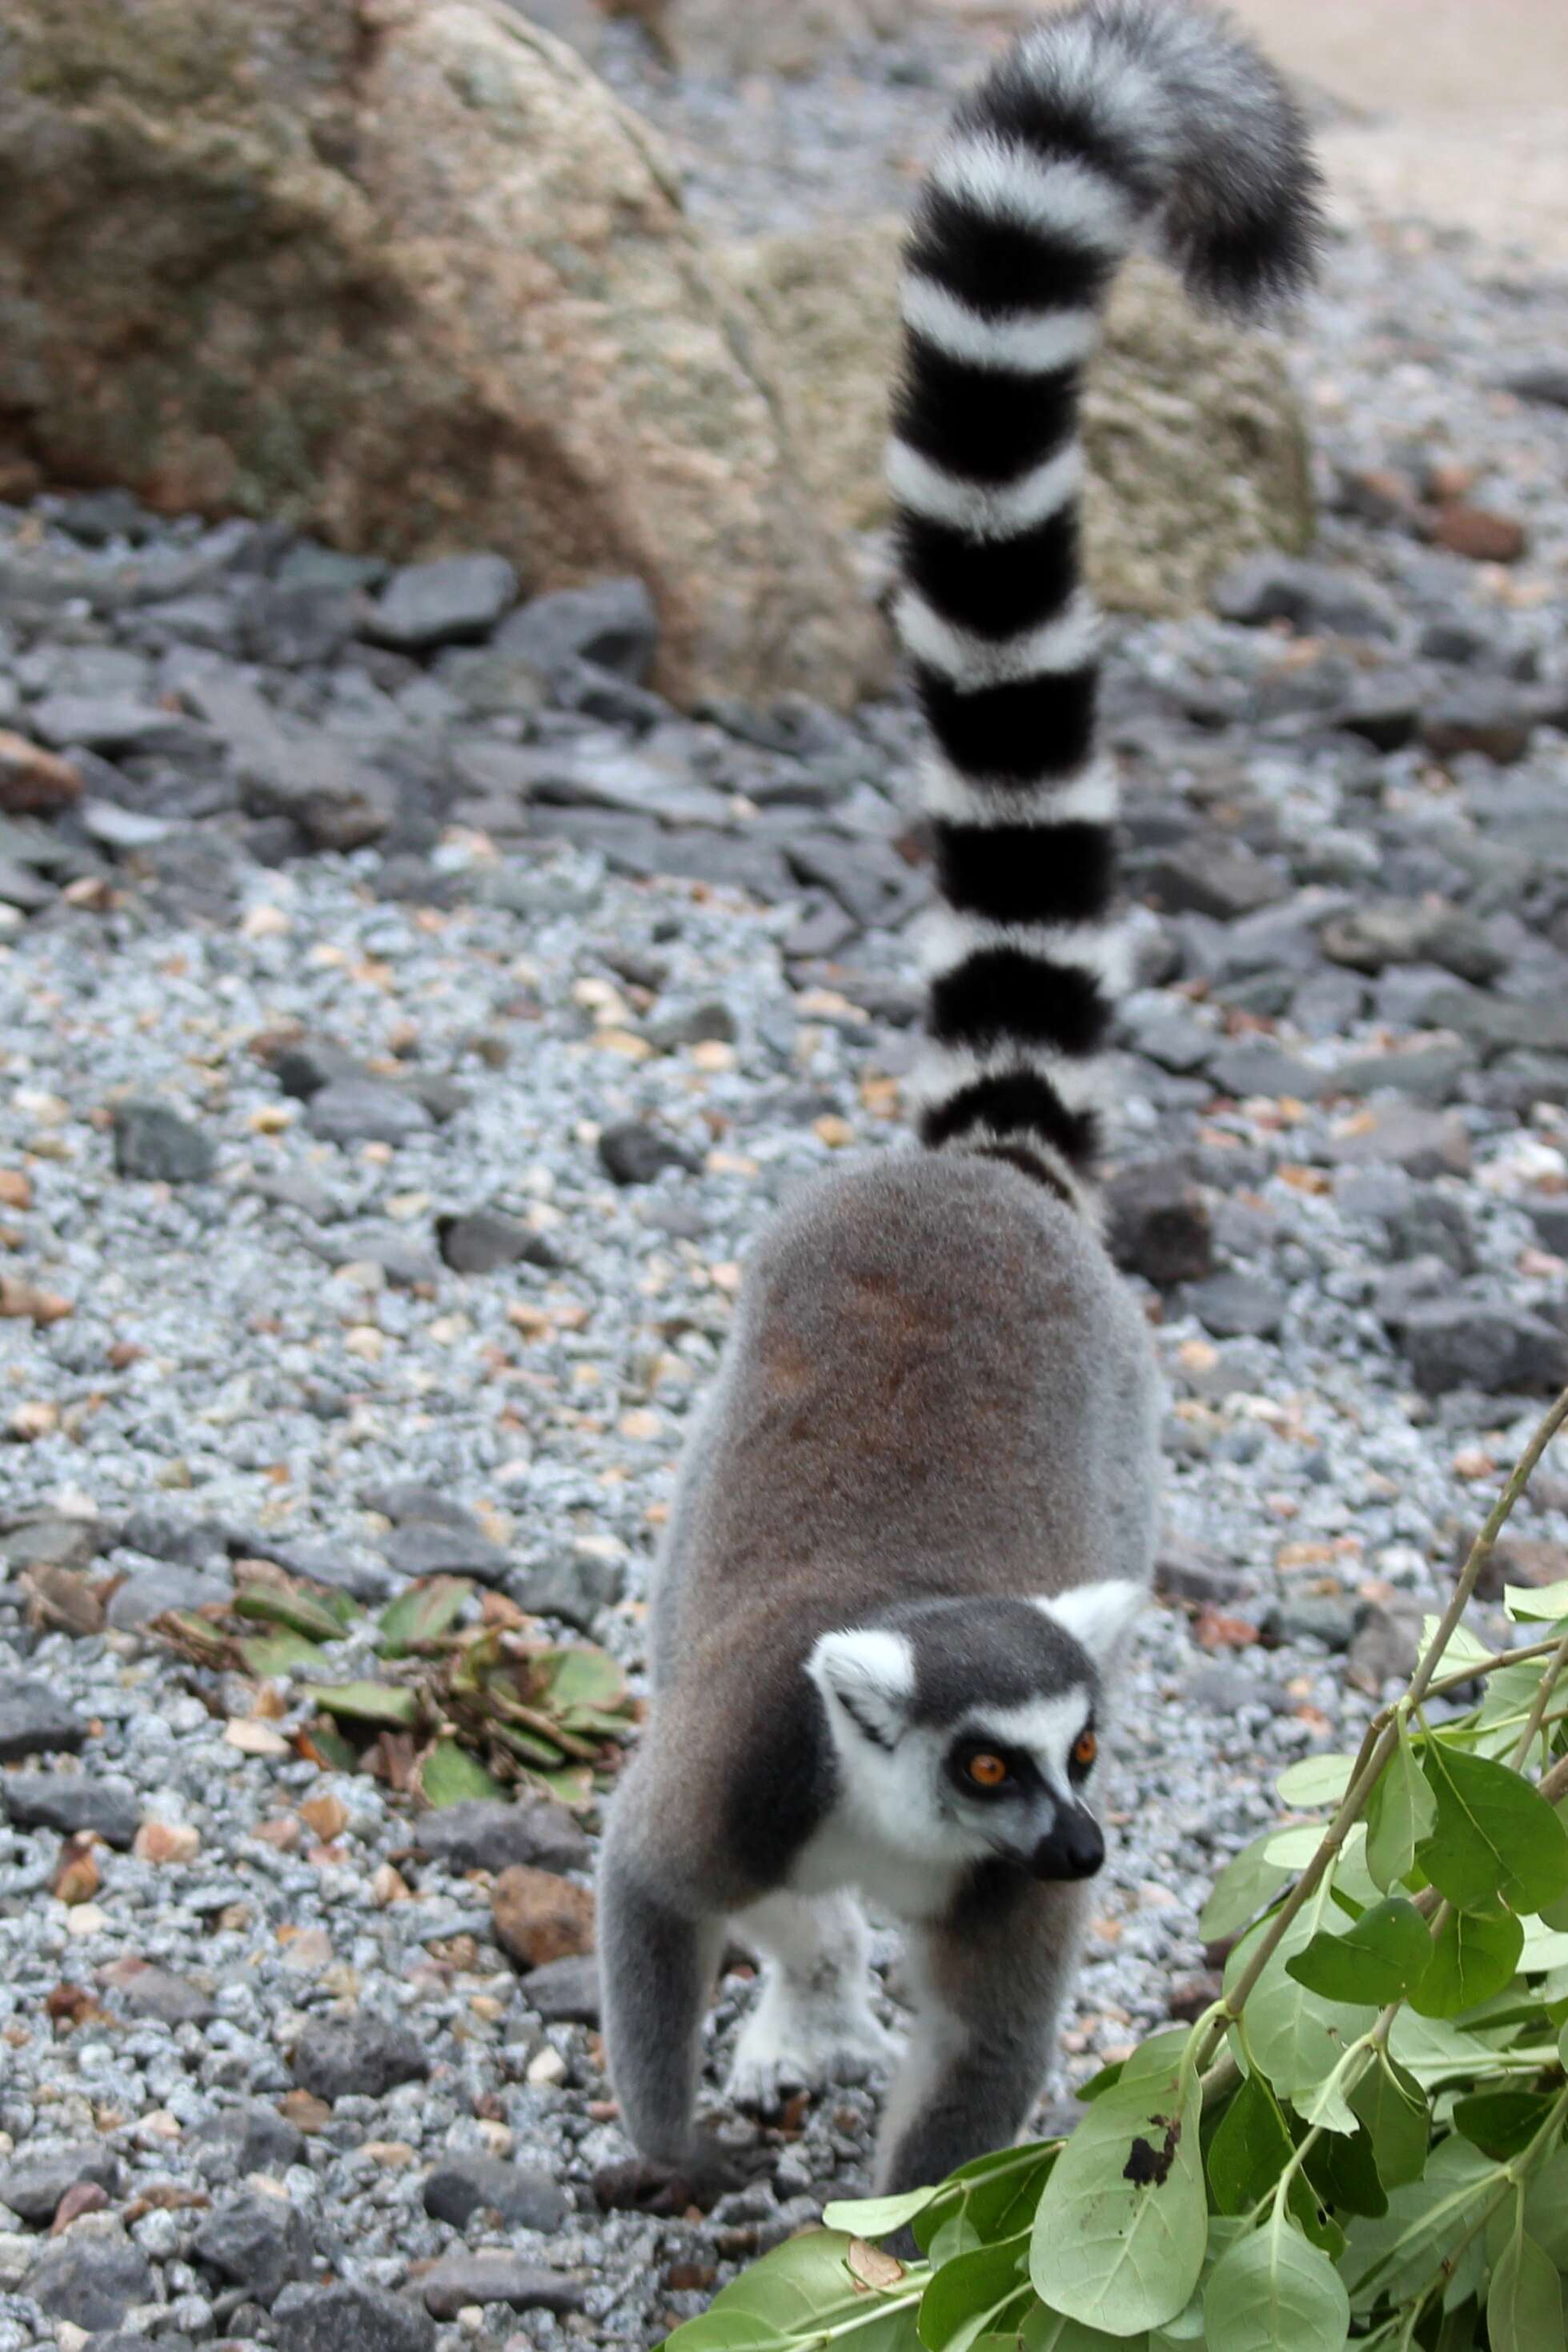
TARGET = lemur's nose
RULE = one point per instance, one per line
(1075, 1847)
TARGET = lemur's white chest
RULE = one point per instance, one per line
(846, 1852)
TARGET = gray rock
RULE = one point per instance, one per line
(191, 1543)
(52, 1543)
(711, 1021)
(482, 1240)
(1424, 1142)
(1408, 1285)
(1516, 1082)
(1224, 1686)
(1188, 1572)
(366, 2057)
(492, 2275)
(138, 1988)
(571, 1585)
(1312, 597)
(1381, 709)
(455, 600)
(1399, 930)
(565, 1992)
(21, 889)
(34, 2182)
(365, 1111)
(489, 1834)
(153, 1142)
(67, 1802)
(150, 1592)
(344, 2318)
(259, 2244)
(241, 2140)
(422, 1547)
(641, 846)
(93, 2281)
(633, 1152)
(612, 775)
(1257, 1065)
(1385, 1645)
(1550, 1218)
(614, 625)
(111, 724)
(462, 2185)
(1481, 714)
(1469, 1343)
(122, 830)
(404, 1258)
(1429, 1073)
(1235, 1306)
(1500, 1024)
(1157, 1223)
(1545, 383)
(307, 1065)
(1162, 1034)
(1331, 1623)
(409, 1499)
(1432, 1224)
(1221, 878)
(35, 1722)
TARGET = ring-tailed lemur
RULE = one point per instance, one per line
(916, 1517)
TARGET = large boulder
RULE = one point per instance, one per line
(1197, 450)
(402, 271)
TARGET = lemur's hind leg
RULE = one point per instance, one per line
(813, 2022)
(990, 1978)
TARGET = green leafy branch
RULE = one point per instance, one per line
(1363, 2138)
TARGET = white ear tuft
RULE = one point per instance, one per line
(1100, 1616)
(871, 1673)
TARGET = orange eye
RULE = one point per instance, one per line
(1085, 1749)
(986, 1772)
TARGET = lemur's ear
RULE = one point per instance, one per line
(868, 1675)
(1099, 1616)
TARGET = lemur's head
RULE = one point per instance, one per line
(965, 1729)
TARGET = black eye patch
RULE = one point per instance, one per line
(985, 1767)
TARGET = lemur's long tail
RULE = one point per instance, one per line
(1114, 118)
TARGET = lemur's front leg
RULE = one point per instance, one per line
(657, 1964)
(989, 1979)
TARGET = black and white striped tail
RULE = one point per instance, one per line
(1117, 117)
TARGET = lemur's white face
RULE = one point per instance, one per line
(993, 1780)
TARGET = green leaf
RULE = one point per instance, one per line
(1397, 2254)
(1273, 2289)
(1500, 2122)
(1244, 1886)
(801, 2290)
(1461, 1650)
(448, 1775)
(877, 2217)
(302, 1612)
(968, 2296)
(1378, 1959)
(263, 1655)
(424, 1613)
(1392, 2105)
(1044, 2330)
(1400, 1813)
(581, 1675)
(1315, 1780)
(1251, 2147)
(378, 1703)
(1543, 1602)
(1546, 2207)
(1120, 2230)
(1295, 2036)
(1524, 2300)
(1494, 1837)
(1343, 2168)
(1475, 1956)
(337, 1754)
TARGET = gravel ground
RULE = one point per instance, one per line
(383, 908)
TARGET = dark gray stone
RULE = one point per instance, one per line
(489, 1834)
(1385, 1644)
(1550, 1218)
(482, 1240)
(1500, 1024)
(1398, 930)
(34, 2182)
(641, 846)
(191, 1543)
(67, 1802)
(565, 1992)
(1331, 1623)
(52, 1543)
(492, 2275)
(1312, 597)
(138, 1987)
(1470, 1343)
(1381, 709)
(33, 1722)
(1188, 1572)
(571, 1585)
(1427, 1074)
(296, 623)
(462, 2185)
(1408, 1285)
(1164, 1035)
(1545, 383)
(632, 1152)
(1236, 1305)
(1257, 1065)
(711, 1021)
(259, 2244)
(455, 600)
(365, 1111)
(614, 624)
(612, 774)
(154, 1142)
(421, 1547)
(1516, 1082)
(1225, 1687)
(304, 1067)
(111, 724)
(1221, 878)
(1157, 1223)
(366, 2057)
(344, 2318)
(149, 1592)
(409, 1499)
(1480, 714)
(242, 2141)
(1432, 1224)
(91, 2281)
(21, 889)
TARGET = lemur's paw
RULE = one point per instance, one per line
(668, 2186)
(779, 2053)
